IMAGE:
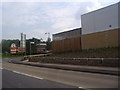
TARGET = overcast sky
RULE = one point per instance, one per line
(36, 18)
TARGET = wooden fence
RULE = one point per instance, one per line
(69, 44)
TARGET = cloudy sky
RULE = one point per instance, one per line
(35, 18)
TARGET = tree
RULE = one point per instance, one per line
(5, 44)
(1, 47)
(48, 44)
(33, 46)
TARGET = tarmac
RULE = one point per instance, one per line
(89, 69)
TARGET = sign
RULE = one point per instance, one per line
(13, 48)
(32, 42)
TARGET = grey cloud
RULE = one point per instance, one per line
(83, 9)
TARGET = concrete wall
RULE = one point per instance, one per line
(100, 20)
(109, 38)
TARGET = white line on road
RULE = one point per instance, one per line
(80, 87)
(27, 75)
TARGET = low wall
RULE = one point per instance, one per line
(78, 61)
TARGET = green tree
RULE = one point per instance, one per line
(1, 47)
(33, 46)
(7, 43)
(48, 44)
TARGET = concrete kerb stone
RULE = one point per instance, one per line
(101, 71)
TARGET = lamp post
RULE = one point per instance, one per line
(48, 42)
(30, 46)
(48, 34)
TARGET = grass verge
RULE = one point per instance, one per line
(111, 52)
(11, 56)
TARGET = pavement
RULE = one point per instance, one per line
(90, 69)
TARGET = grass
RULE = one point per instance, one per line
(110, 52)
(66, 57)
(0, 55)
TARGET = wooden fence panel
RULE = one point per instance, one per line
(69, 44)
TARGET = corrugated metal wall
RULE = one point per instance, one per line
(67, 34)
(70, 44)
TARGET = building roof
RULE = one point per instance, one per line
(67, 34)
(67, 31)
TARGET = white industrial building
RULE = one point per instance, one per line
(101, 28)
(101, 20)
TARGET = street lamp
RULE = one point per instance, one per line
(48, 34)
(30, 46)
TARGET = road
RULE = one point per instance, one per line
(31, 76)
(12, 79)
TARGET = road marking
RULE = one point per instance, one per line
(27, 75)
(80, 87)
(1, 68)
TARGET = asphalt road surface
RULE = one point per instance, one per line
(18, 76)
(13, 79)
